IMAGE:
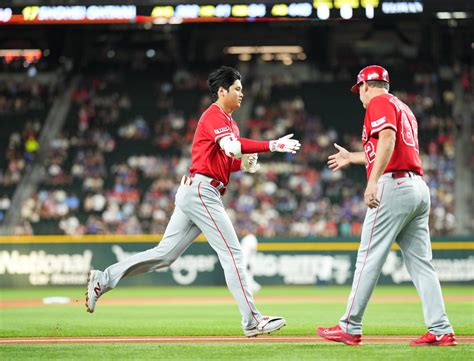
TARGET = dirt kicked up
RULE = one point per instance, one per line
(204, 339)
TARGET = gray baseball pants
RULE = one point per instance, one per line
(198, 209)
(402, 217)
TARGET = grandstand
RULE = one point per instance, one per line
(114, 161)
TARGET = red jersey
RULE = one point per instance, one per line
(207, 156)
(387, 111)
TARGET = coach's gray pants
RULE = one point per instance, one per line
(402, 217)
(198, 209)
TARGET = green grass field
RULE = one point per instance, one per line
(207, 319)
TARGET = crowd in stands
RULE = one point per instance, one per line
(23, 108)
(115, 169)
(25, 104)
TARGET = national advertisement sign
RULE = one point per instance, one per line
(279, 261)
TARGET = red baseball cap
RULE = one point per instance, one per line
(371, 72)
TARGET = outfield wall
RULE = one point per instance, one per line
(64, 261)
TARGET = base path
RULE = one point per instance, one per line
(203, 339)
(223, 300)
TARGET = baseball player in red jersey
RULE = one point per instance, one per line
(399, 207)
(217, 151)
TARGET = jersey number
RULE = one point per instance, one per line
(369, 151)
(409, 125)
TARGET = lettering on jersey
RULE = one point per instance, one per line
(221, 130)
(364, 134)
(377, 122)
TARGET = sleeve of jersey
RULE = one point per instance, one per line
(217, 125)
(236, 163)
(254, 146)
(382, 115)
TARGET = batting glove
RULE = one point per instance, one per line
(285, 144)
(249, 163)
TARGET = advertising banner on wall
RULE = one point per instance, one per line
(65, 261)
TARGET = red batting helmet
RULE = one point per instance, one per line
(371, 72)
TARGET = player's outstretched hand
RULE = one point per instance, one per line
(285, 144)
(339, 160)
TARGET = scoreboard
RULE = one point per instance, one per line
(176, 13)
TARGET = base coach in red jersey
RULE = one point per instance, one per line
(398, 201)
